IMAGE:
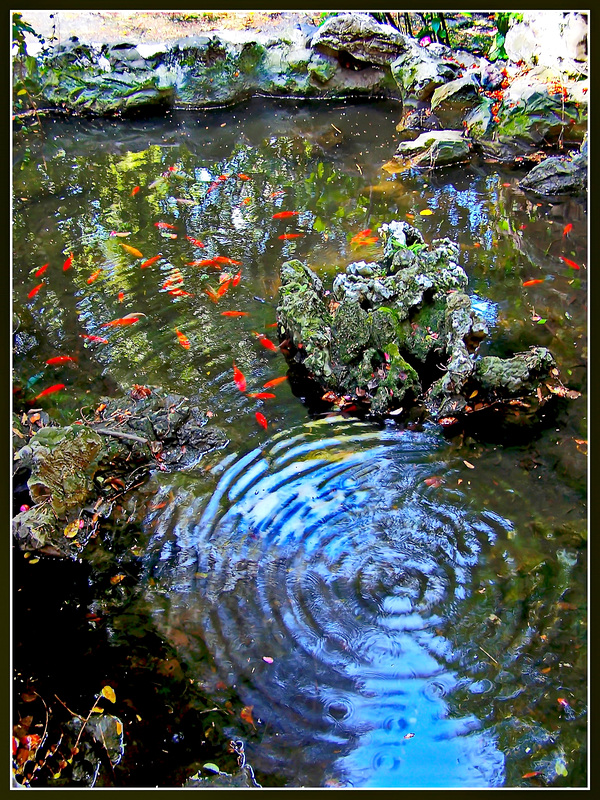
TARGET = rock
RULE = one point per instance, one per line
(450, 101)
(360, 36)
(517, 375)
(418, 73)
(551, 39)
(431, 149)
(559, 176)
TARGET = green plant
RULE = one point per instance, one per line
(503, 20)
(26, 83)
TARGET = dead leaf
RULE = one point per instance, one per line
(117, 578)
(109, 693)
(246, 715)
(34, 418)
(73, 529)
(408, 736)
(468, 464)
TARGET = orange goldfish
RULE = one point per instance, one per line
(41, 270)
(265, 341)
(34, 291)
(206, 262)
(533, 282)
(131, 250)
(166, 225)
(212, 294)
(235, 314)
(567, 229)
(236, 278)
(223, 288)
(239, 379)
(290, 235)
(134, 191)
(225, 260)
(94, 275)
(261, 419)
(274, 382)
(121, 296)
(180, 293)
(50, 390)
(127, 320)
(195, 242)
(285, 214)
(243, 177)
(68, 262)
(151, 261)
(60, 360)
(570, 263)
(261, 395)
(183, 340)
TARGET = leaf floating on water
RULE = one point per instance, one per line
(468, 464)
(72, 529)
(408, 736)
(117, 579)
(435, 481)
(268, 659)
(109, 693)
(426, 212)
(246, 715)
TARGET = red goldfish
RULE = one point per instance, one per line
(93, 338)
(567, 229)
(276, 194)
(121, 296)
(290, 235)
(285, 214)
(261, 395)
(533, 282)
(68, 262)
(183, 340)
(265, 341)
(127, 320)
(360, 235)
(176, 277)
(41, 270)
(243, 177)
(206, 262)
(235, 314)
(180, 293)
(223, 288)
(35, 290)
(212, 294)
(166, 225)
(131, 250)
(261, 419)
(274, 382)
(60, 360)
(236, 278)
(239, 379)
(225, 260)
(151, 261)
(134, 191)
(50, 390)
(570, 263)
(94, 275)
(195, 242)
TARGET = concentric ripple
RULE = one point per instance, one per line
(325, 551)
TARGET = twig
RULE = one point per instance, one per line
(488, 655)
(119, 435)
(74, 713)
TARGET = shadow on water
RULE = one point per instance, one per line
(392, 608)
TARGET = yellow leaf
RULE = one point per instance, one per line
(426, 212)
(72, 529)
(109, 693)
(97, 710)
(468, 464)
(474, 394)
(117, 578)
(22, 91)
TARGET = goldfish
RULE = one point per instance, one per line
(176, 277)
(212, 294)
(506, 184)
(41, 270)
(367, 240)
(151, 261)
(35, 290)
(166, 225)
(134, 191)
(236, 278)
(567, 229)
(272, 325)
(184, 201)
(261, 395)
(570, 263)
(261, 419)
(183, 340)
(235, 314)
(225, 260)
(94, 275)
(128, 320)
(121, 296)
(225, 276)
(68, 262)
(223, 288)
(290, 235)
(206, 262)
(60, 360)
(265, 342)
(180, 293)
(246, 201)
(532, 282)
(274, 382)
(285, 214)
(195, 242)
(360, 235)
(131, 250)
(125, 233)
(276, 194)
(243, 177)
(50, 390)
(93, 338)
(239, 379)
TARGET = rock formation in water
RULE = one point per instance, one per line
(401, 333)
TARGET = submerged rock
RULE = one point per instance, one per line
(431, 149)
(401, 333)
(559, 175)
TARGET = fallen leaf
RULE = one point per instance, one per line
(408, 736)
(72, 529)
(268, 659)
(246, 715)
(117, 578)
(426, 212)
(468, 464)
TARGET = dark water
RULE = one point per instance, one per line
(415, 635)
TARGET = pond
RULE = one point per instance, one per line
(362, 604)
